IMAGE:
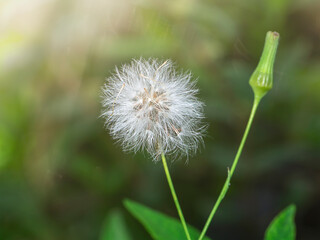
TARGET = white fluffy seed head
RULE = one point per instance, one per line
(149, 105)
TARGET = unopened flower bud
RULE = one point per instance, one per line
(261, 80)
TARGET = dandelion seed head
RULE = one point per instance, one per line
(149, 105)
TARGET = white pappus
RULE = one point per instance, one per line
(149, 105)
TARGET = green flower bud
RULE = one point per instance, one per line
(261, 80)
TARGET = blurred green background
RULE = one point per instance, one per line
(61, 174)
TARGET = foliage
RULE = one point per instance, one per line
(282, 226)
(114, 228)
(160, 226)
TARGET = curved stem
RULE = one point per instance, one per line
(233, 167)
(174, 195)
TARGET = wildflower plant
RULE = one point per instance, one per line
(149, 105)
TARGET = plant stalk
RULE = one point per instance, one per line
(233, 167)
(174, 196)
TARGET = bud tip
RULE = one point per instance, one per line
(261, 80)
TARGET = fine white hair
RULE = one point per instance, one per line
(149, 105)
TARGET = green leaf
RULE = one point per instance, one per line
(160, 226)
(282, 226)
(114, 228)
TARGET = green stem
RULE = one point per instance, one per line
(174, 195)
(234, 165)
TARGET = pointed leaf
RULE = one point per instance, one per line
(114, 228)
(282, 226)
(160, 226)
